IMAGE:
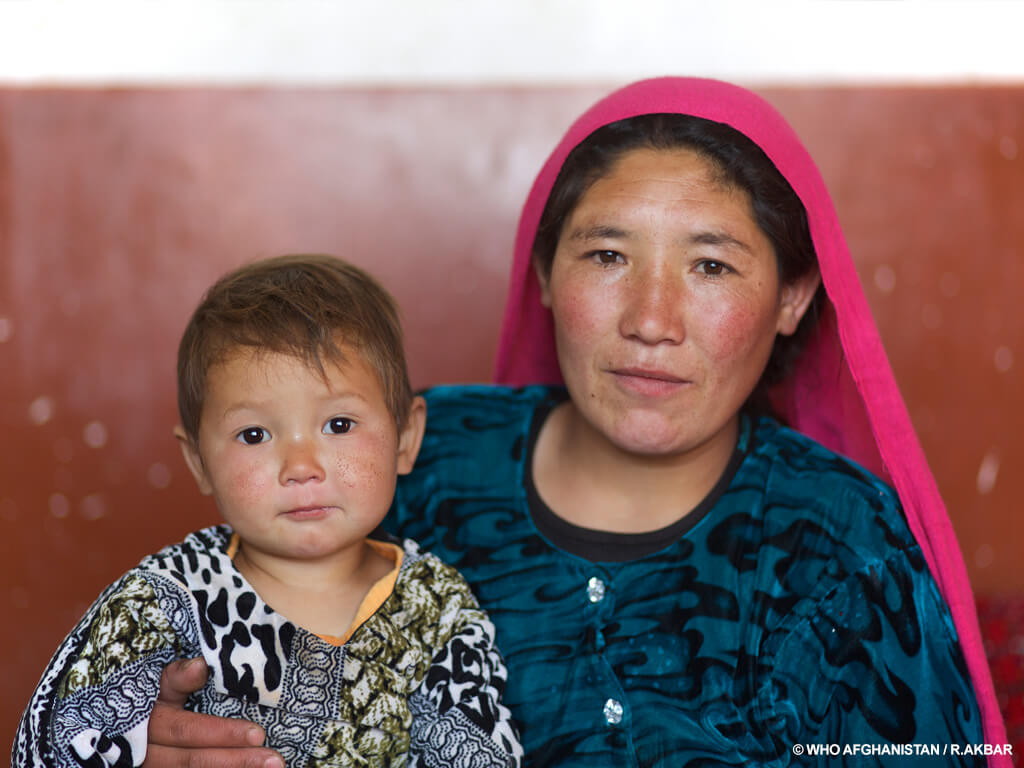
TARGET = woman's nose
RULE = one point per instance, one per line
(300, 463)
(653, 311)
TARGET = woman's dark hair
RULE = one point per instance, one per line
(741, 163)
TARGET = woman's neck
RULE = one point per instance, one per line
(588, 481)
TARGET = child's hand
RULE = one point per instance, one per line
(180, 739)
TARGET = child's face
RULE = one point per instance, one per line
(301, 466)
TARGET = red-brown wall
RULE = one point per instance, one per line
(118, 207)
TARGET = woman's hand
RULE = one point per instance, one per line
(181, 739)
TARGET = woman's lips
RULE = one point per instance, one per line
(648, 382)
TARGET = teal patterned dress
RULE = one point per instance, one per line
(791, 607)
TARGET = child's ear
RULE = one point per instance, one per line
(194, 461)
(411, 435)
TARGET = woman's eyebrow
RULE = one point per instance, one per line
(598, 232)
(609, 232)
(717, 238)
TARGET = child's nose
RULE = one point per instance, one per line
(301, 463)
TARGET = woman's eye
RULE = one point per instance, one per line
(253, 435)
(713, 268)
(339, 425)
(605, 258)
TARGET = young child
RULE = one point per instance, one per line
(296, 416)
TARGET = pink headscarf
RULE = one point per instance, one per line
(842, 392)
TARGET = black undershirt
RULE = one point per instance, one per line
(607, 546)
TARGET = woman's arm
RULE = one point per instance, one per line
(182, 739)
(877, 667)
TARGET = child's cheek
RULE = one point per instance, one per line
(367, 471)
(250, 481)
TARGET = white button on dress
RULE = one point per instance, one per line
(612, 712)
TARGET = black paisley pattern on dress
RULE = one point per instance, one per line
(792, 606)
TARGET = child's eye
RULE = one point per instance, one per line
(339, 425)
(253, 435)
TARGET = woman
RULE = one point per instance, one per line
(676, 579)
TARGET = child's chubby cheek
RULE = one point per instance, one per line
(250, 482)
(369, 471)
(352, 475)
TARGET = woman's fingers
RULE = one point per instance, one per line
(181, 678)
(182, 739)
(172, 726)
(171, 757)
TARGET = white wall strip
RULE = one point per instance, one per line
(417, 42)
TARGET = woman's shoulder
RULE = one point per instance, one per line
(473, 451)
(799, 462)
(802, 479)
(469, 424)
(847, 601)
(454, 402)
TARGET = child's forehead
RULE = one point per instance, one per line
(255, 362)
(272, 385)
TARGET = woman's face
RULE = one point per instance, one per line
(666, 302)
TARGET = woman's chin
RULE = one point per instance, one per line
(649, 437)
(651, 429)
(655, 435)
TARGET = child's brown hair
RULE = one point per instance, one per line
(300, 305)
